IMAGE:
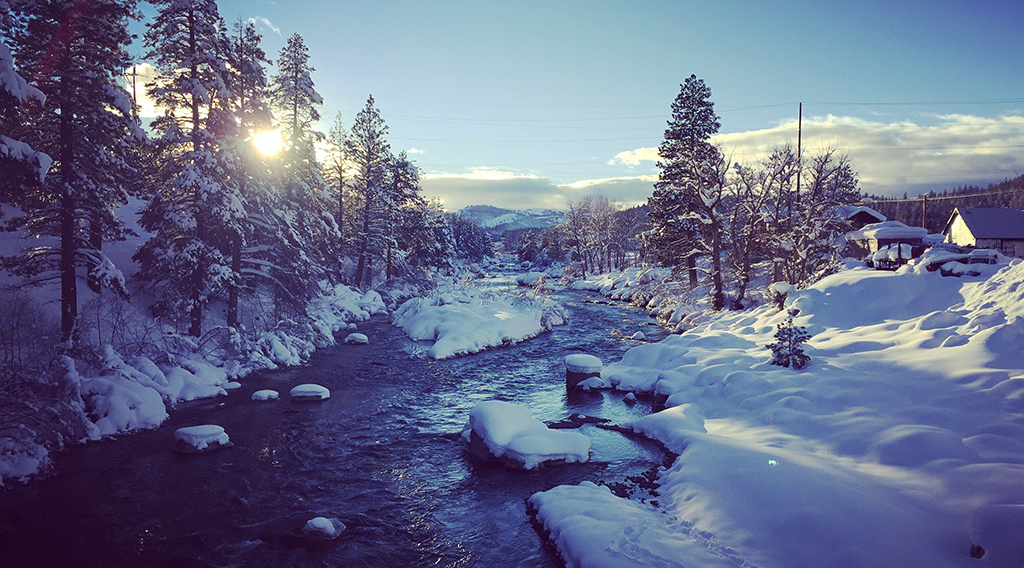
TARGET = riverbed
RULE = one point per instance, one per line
(382, 455)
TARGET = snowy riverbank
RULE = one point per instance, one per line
(901, 444)
(115, 395)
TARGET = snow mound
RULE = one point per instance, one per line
(531, 278)
(20, 460)
(466, 321)
(202, 438)
(310, 392)
(323, 528)
(997, 530)
(357, 339)
(266, 394)
(510, 431)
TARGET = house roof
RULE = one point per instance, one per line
(887, 230)
(990, 222)
(849, 211)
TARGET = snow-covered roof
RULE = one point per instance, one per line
(888, 230)
(990, 222)
(848, 211)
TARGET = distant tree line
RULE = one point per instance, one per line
(940, 204)
(228, 226)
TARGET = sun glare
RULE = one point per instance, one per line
(268, 142)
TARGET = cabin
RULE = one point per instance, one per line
(909, 241)
(1001, 229)
(858, 216)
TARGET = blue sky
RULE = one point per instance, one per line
(531, 103)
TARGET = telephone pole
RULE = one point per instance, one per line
(799, 164)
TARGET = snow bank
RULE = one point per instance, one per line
(468, 321)
(511, 432)
(531, 278)
(904, 427)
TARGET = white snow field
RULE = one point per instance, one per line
(901, 444)
(310, 392)
(468, 321)
(202, 438)
(510, 432)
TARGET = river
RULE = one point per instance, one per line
(381, 454)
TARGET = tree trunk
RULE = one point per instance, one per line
(196, 310)
(691, 268)
(718, 297)
(364, 242)
(68, 283)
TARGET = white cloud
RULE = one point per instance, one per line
(416, 151)
(892, 158)
(265, 24)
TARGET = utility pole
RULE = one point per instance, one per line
(924, 210)
(799, 164)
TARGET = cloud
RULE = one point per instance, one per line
(416, 151)
(265, 24)
(891, 158)
(634, 157)
(526, 191)
(144, 73)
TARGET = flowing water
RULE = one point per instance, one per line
(381, 454)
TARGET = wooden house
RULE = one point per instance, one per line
(987, 227)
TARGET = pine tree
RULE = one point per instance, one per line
(401, 192)
(77, 52)
(788, 351)
(335, 173)
(21, 164)
(690, 185)
(370, 154)
(196, 207)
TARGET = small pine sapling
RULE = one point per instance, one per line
(787, 350)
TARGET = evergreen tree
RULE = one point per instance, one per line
(21, 164)
(471, 242)
(788, 351)
(77, 52)
(196, 208)
(335, 173)
(370, 155)
(401, 193)
(690, 184)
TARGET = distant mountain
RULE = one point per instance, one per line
(496, 220)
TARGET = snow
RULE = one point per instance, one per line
(357, 339)
(19, 460)
(322, 527)
(310, 392)
(265, 395)
(531, 278)
(638, 336)
(583, 363)
(463, 321)
(888, 230)
(510, 431)
(200, 438)
(899, 445)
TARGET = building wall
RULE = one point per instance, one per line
(1009, 247)
(959, 234)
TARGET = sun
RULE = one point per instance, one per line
(268, 142)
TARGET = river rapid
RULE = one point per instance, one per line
(381, 454)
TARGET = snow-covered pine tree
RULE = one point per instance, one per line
(788, 351)
(470, 241)
(21, 164)
(77, 51)
(335, 173)
(310, 228)
(401, 192)
(370, 154)
(690, 185)
(252, 112)
(195, 205)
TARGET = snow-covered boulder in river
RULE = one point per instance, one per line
(266, 394)
(323, 528)
(357, 339)
(310, 392)
(510, 433)
(580, 367)
(204, 438)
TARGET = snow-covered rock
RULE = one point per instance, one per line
(310, 392)
(638, 336)
(323, 528)
(583, 363)
(531, 278)
(266, 394)
(202, 438)
(510, 432)
(357, 339)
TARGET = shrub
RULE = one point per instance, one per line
(787, 351)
